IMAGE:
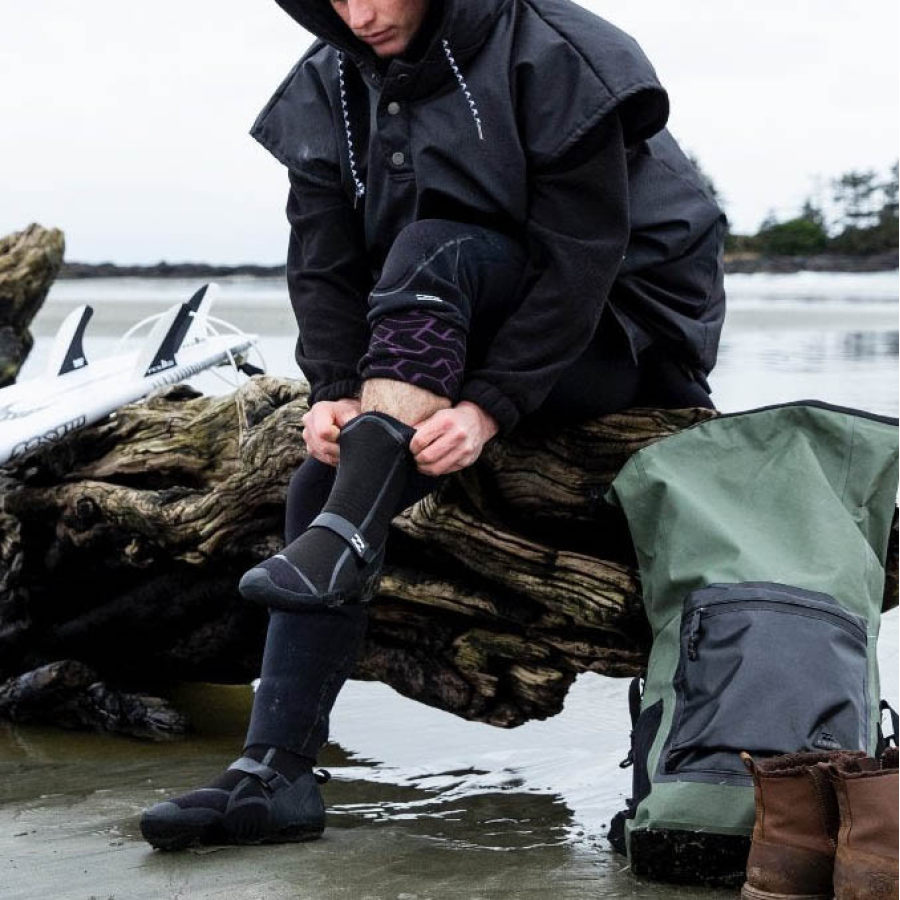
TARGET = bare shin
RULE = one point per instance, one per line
(406, 402)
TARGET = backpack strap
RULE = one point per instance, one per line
(883, 742)
(634, 708)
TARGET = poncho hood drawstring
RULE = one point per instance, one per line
(359, 185)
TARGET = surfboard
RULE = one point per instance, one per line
(73, 392)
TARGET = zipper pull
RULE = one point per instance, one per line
(694, 633)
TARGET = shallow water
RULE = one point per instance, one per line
(422, 804)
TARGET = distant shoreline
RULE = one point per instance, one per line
(752, 263)
(75, 270)
(743, 263)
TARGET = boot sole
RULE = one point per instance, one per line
(169, 836)
(257, 586)
(748, 892)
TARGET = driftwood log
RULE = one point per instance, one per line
(121, 548)
(29, 262)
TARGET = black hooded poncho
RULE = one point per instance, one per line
(533, 117)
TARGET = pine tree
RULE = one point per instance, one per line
(854, 193)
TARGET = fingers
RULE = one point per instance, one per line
(426, 432)
(344, 411)
(444, 444)
(320, 433)
(323, 446)
(452, 462)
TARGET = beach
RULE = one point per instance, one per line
(422, 805)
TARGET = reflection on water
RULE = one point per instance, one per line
(846, 367)
(866, 345)
(422, 804)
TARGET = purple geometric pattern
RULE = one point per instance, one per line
(417, 348)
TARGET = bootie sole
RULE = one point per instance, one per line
(168, 833)
(257, 586)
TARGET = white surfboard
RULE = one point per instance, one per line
(73, 393)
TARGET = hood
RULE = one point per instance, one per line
(464, 24)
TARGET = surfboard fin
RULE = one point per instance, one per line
(200, 304)
(158, 350)
(67, 353)
(171, 330)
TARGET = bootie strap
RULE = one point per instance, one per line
(267, 775)
(345, 529)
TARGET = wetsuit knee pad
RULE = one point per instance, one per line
(428, 269)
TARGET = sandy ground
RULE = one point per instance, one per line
(69, 808)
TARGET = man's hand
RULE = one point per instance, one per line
(322, 425)
(451, 439)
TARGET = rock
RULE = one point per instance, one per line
(69, 694)
(29, 263)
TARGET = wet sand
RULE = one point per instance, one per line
(423, 806)
(69, 807)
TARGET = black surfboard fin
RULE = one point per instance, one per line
(164, 358)
(68, 354)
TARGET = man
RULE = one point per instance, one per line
(488, 222)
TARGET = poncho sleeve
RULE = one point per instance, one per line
(327, 266)
(328, 282)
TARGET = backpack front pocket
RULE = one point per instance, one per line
(765, 668)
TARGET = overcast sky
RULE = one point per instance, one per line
(125, 124)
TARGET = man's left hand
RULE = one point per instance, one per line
(451, 439)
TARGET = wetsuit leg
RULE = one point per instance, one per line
(310, 653)
(271, 793)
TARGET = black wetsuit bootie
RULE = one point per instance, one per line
(269, 795)
(338, 558)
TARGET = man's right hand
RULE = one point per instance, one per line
(322, 425)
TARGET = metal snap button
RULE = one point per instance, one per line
(402, 78)
(398, 158)
(393, 107)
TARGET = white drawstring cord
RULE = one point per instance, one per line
(465, 88)
(360, 188)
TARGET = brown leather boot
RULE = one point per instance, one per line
(866, 862)
(794, 835)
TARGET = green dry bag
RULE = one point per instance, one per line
(761, 538)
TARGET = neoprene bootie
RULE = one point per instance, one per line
(250, 803)
(865, 866)
(795, 830)
(338, 558)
